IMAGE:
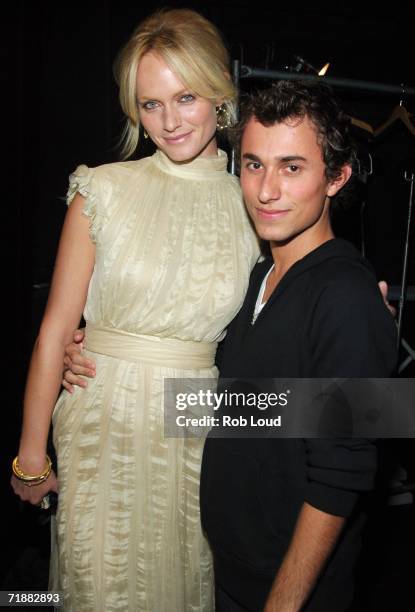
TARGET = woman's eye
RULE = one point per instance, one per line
(187, 98)
(150, 105)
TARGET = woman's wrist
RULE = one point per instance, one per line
(32, 462)
(32, 478)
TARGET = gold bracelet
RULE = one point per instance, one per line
(28, 479)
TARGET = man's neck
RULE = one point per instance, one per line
(286, 254)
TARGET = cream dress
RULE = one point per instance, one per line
(174, 250)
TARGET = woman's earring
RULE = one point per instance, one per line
(223, 119)
(145, 135)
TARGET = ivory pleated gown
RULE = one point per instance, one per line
(174, 250)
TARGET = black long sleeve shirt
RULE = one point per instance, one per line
(326, 319)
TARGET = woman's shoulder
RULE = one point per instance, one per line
(234, 183)
(114, 171)
(101, 187)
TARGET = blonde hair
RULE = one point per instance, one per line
(192, 48)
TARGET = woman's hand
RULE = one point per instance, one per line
(76, 364)
(35, 493)
(383, 287)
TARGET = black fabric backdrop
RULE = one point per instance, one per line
(61, 110)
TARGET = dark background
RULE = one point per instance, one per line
(61, 110)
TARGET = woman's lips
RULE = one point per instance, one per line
(177, 139)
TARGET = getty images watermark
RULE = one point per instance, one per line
(221, 400)
(289, 408)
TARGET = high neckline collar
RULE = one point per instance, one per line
(201, 168)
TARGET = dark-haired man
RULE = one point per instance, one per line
(283, 516)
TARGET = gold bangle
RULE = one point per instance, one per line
(28, 479)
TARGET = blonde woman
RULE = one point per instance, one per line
(156, 253)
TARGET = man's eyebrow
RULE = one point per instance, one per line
(290, 158)
(283, 159)
(251, 156)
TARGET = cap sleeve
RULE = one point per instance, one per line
(82, 181)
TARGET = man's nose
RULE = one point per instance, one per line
(172, 119)
(270, 188)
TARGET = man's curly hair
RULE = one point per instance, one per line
(298, 99)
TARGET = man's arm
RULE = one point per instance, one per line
(313, 540)
(352, 337)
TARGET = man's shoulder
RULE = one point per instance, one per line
(346, 290)
(344, 273)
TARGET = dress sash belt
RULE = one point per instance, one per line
(165, 352)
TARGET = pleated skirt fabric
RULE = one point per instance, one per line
(127, 533)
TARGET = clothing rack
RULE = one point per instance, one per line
(243, 72)
(259, 73)
(247, 72)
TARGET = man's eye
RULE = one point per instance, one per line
(253, 165)
(293, 168)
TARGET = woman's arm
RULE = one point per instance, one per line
(73, 270)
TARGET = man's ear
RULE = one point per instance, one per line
(336, 184)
